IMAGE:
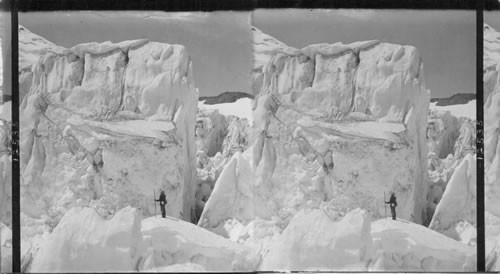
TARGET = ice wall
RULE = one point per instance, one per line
(104, 125)
(5, 173)
(458, 202)
(6, 248)
(491, 80)
(442, 133)
(211, 130)
(334, 124)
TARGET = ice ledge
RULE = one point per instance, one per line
(337, 48)
(368, 130)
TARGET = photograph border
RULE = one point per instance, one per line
(14, 7)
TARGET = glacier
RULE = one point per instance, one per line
(318, 112)
(284, 181)
(103, 125)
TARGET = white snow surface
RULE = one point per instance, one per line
(312, 241)
(242, 108)
(407, 246)
(171, 242)
(464, 110)
(84, 241)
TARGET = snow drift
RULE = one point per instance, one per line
(312, 241)
(85, 241)
(103, 125)
(404, 246)
(171, 242)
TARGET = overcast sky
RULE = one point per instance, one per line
(492, 18)
(445, 39)
(218, 42)
(5, 57)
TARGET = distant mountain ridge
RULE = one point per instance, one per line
(455, 99)
(225, 97)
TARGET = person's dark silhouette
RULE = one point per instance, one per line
(393, 203)
(163, 202)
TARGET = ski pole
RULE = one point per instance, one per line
(385, 207)
(154, 199)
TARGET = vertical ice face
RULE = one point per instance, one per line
(333, 125)
(104, 125)
(458, 202)
(491, 82)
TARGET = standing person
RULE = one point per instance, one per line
(393, 203)
(163, 202)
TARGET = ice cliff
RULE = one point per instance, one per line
(334, 125)
(105, 124)
(491, 82)
(6, 248)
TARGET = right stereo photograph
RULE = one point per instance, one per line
(491, 77)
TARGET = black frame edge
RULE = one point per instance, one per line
(16, 202)
(481, 262)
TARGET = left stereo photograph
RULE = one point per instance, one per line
(5, 144)
(119, 142)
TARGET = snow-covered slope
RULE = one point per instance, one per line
(84, 241)
(103, 125)
(491, 80)
(242, 108)
(312, 241)
(405, 246)
(467, 110)
(171, 242)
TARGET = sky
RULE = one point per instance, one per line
(492, 18)
(5, 60)
(445, 39)
(219, 43)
